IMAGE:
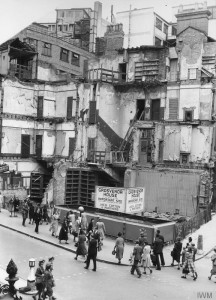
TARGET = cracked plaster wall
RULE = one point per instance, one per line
(189, 98)
(201, 144)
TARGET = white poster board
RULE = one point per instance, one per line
(110, 198)
(135, 198)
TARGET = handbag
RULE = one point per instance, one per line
(185, 270)
(113, 252)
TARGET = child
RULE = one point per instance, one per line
(194, 250)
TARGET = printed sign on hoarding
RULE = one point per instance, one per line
(135, 200)
(110, 198)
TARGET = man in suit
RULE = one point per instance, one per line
(158, 251)
(92, 252)
(137, 253)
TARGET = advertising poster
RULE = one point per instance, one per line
(110, 198)
(135, 200)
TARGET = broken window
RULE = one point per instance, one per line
(75, 59)
(69, 107)
(188, 115)
(155, 110)
(39, 145)
(145, 146)
(31, 42)
(158, 24)
(64, 55)
(122, 71)
(46, 49)
(192, 73)
(160, 151)
(25, 146)
(140, 109)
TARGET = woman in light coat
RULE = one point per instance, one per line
(54, 224)
(146, 258)
(101, 229)
(119, 247)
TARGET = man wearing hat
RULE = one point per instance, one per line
(137, 253)
(40, 278)
(92, 252)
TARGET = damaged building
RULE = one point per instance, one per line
(123, 117)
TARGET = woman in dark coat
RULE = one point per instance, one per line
(63, 234)
(31, 213)
(176, 252)
(81, 247)
(39, 276)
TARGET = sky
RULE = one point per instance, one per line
(17, 14)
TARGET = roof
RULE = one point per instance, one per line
(136, 49)
(209, 38)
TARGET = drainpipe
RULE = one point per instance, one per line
(76, 115)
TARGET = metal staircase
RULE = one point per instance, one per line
(129, 134)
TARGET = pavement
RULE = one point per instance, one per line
(105, 256)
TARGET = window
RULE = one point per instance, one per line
(70, 27)
(155, 110)
(31, 42)
(91, 149)
(174, 30)
(69, 107)
(46, 50)
(122, 71)
(157, 42)
(192, 73)
(173, 108)
(158, 23)
(39, 145)
(59, 27)
(65, 27)
(40, 107)
(25, 145)
(75, 60)
(140, 109)
(92, 112)
(64, 55)
(160, 151)
(165, 29)
(71, 146)
(188, 115)
(184, 158)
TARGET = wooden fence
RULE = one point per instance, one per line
(187, 227)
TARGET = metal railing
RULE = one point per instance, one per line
(106, 75)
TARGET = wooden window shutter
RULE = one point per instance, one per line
(40, 107)
(92, 112)
(173, 108)
(69, 107)
(25, 145)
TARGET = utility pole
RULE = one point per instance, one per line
(129, 27)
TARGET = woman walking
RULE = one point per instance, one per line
(176, 252)
(39, 276)
(63, 234)
(90, 228)
(37, 218)
(81, 247)
(146, 258)
(119, 247)
(48, 282)
(101, 229)
(189, 266)
(54, 224)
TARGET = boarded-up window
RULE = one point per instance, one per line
(192, 73)
(173, 108)
(71, 146)
(92, 112)
(25, 145)
(69, 107)
(155, 110)
(39, 145)
(40, 107)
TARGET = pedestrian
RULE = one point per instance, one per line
(54, 223)
(142, 239)
(37, 218)
(146, 258)
(51, 261)
(184, 250)
(119, 247)
(189, 244)
(31, 213)
(194, 250)
(137, 255)
(76, 229)
(189, 266)
(176, 252)
(81, 245)
(63, 234)
(16, 203)
(160, 236)
(158, 251)
(84, 222)
(45, 214)
(24, 212)
(11, 207)
(39, 278)
(71, 220)
(1, 201)
(48, 282)
(100, 226)
(90, 228)
(92, 253)
(213, 259)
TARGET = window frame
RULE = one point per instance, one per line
(191, 75)
(75, 61)
(47, 51)
(158, 23)
(64, 56)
